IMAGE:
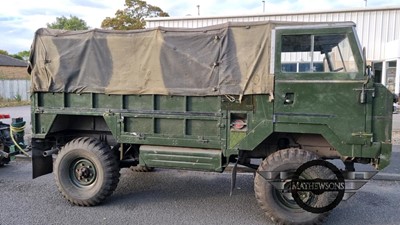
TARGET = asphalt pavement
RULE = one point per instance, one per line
(18, 111)
(172, 197)
(178, 197)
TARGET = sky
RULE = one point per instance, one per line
(19, 19)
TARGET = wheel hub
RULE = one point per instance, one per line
(82, 172)
(285, 197)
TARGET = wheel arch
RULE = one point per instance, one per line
(74, 126)
(61, 129)
(315, 143)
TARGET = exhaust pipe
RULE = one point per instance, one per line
(50, 152)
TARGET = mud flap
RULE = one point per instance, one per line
(40, 165)
(233, 179)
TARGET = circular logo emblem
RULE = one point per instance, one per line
(317, 186)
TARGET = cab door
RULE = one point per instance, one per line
(319, 78)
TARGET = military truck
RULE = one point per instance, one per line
(277, 93)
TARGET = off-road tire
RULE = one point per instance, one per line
(268, 197)
(142, 169)
(97, 158)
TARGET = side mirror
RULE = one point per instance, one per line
(368, 71)
(368, 68)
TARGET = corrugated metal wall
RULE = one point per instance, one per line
(12, 89)
(375, 27)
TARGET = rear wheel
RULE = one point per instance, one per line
(86, 171)
(280, 207)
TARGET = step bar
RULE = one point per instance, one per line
(181, 158)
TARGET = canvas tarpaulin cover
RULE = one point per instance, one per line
(227, 59)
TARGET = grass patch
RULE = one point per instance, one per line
(17, 101)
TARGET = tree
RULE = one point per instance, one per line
(72, 23)
(3, 52)
(24, 55)
(132, 17)
(17, 56)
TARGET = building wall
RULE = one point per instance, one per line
(15, 89)
(14, 83)
(375, 26)
(12, 72)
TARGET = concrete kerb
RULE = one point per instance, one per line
(22, 157)
(387, 176)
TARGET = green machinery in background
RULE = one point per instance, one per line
(11, 139)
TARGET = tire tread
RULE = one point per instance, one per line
(111, 169)
(289, 155)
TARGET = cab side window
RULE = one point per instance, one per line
(306, 53)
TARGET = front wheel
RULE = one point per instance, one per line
(278, 206)
(86, 171)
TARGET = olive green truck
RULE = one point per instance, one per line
(277, 93)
